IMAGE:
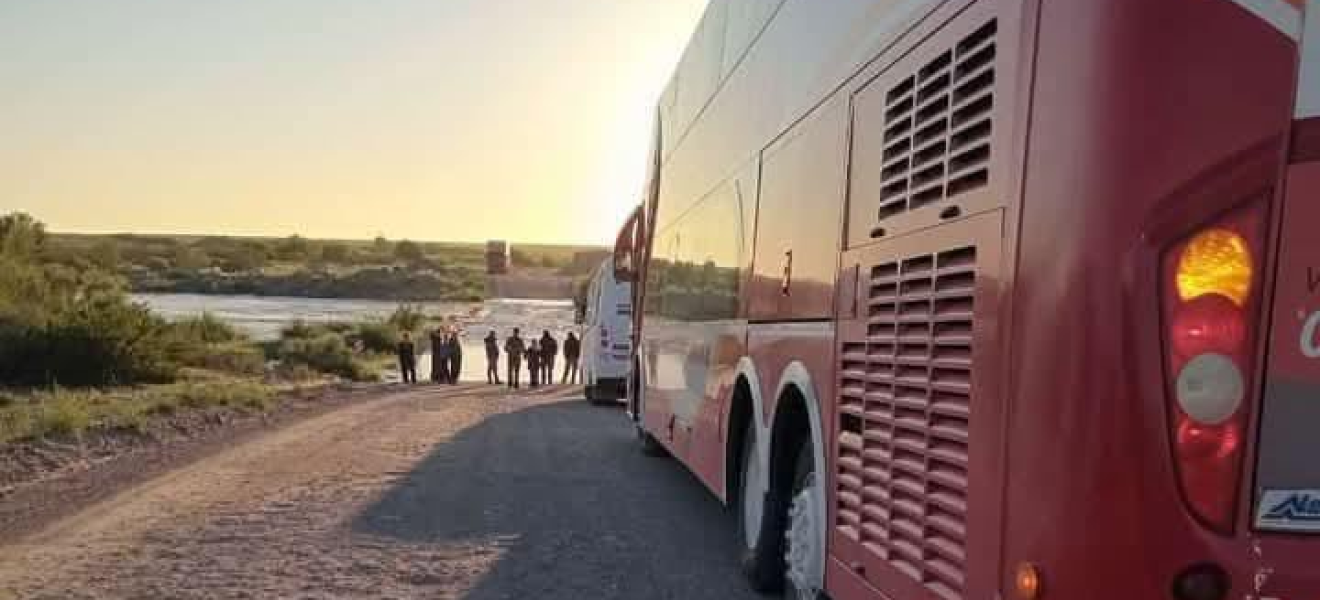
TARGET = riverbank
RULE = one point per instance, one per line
(397, 284)
(397, 271)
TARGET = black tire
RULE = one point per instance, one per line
(649, 445)
(804, 467)
(589, 392)
(762, 562)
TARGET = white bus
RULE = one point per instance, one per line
(607, 336)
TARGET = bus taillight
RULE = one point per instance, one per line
(1210, 303)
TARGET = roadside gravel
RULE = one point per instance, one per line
(428, 493)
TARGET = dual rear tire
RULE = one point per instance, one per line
(780, 527)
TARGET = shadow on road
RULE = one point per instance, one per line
(575, 509)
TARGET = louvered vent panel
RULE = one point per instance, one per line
(905, 403)
(937, 127)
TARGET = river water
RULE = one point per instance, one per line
(263, 317)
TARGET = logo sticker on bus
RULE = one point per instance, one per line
(1310, 341)
(1289, 510)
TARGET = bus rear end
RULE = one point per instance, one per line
(1167, 305)
(1283, 508)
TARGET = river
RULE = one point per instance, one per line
(263, 317)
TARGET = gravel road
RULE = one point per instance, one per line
(434, 493)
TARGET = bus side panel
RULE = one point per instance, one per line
(1143, 112)
(707, 457)
(694, 337)
(799, 221)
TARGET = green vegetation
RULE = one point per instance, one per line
(77, 353)
(301, 267)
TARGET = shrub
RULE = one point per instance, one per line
(377, 336)
(328, 353)
(240, 395)
(66, 414)
(408, 251)
(237, 358)
(206, 328)
(408, 317)
(103, 343)
(296, 373)
(298, 329)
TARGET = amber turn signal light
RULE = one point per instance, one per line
(1027, 581)
(1216, 262)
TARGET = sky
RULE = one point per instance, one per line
(461, 120)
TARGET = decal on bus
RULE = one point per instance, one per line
(1309, 343)
(1290, 510)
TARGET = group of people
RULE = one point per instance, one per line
(539, 354)
(446, 357)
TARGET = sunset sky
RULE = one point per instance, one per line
(422, 119)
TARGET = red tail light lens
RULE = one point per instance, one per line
(1210, 301)
(1210, 323)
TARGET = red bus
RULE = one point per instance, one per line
(954, 299)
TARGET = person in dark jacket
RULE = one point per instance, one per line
(455, 358)
(514, 350)
(534, 362)
(492, 359)
(572, 352)
(549, 349)
(439, 366)
(407, 358)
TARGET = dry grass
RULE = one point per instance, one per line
(61, 412)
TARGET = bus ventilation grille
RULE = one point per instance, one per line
(937, 127)
(905, 408)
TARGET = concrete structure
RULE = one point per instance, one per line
(497, 257)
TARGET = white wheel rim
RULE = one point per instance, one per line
(805, 554)
(753, 493)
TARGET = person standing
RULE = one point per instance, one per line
(407, 358)
(455, 358)
(534, 362)
(514, 350)
(492, 359)
(549, 349)
(439, 366)
(572, 352)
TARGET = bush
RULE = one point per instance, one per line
(328, 353)
(408, 317)
(297, 373)
(67, 414)
(377, 336)
(103, 343)
(207, 329)
(299, 329)
(237, 358)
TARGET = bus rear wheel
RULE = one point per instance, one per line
(804, 551)
(761, 520)
(649, 445)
